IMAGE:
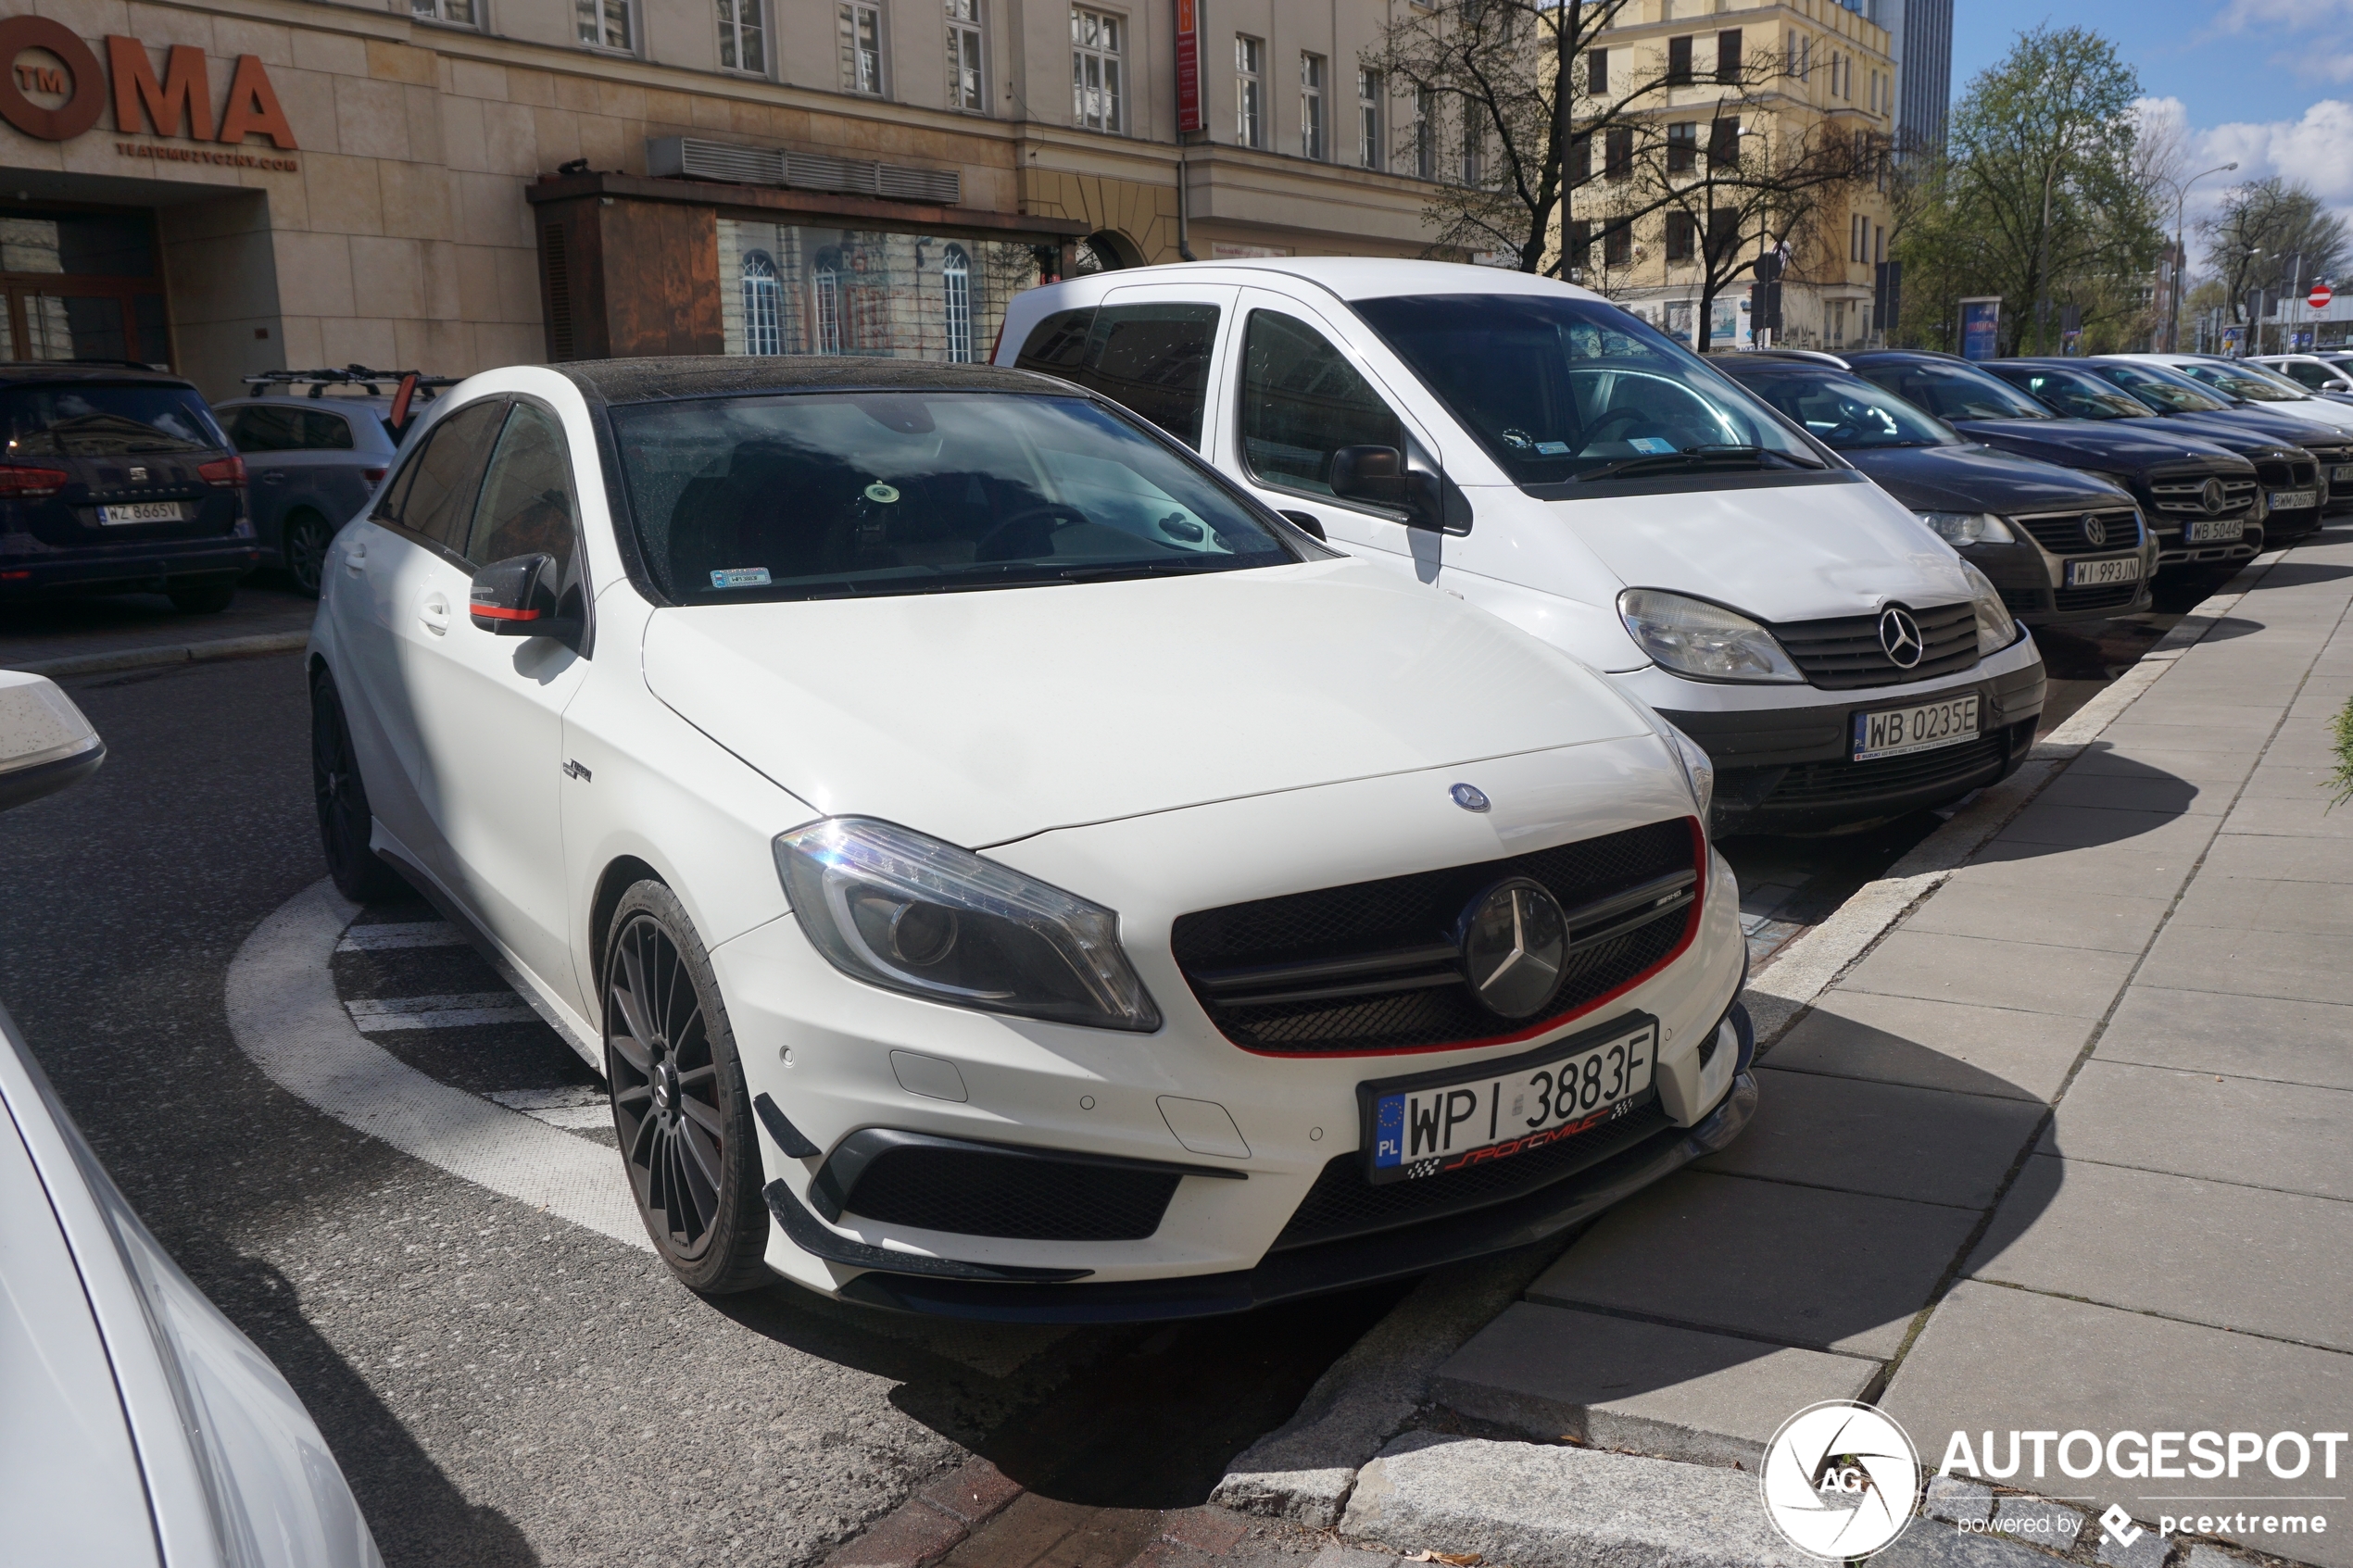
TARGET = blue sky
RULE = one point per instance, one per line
(2267, 82)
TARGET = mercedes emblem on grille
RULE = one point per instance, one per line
(2095, 531)
(1900, 636)
(2212, 496)
(1470, 798)
(1513, 940)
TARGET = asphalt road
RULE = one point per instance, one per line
(499, 1385)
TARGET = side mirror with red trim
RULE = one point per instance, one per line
(516, 597)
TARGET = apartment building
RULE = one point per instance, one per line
(231, 186)
(1748, 78)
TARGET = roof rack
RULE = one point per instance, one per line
(350, 375)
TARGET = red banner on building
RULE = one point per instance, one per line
(1189, 115)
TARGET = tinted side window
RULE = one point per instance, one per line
(1057, 345)
(526, 505)
(2311, 375)
(1302, 401)
(322, 431)
(434, 496)
(1154, 359)
(264, 428)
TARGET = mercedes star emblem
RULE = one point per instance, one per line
(1900, 636)
(2211, 496)
(1514, 942)
(1470, 798)
(2095, 531)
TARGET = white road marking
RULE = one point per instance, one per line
(285, 1014)
(580, 1107)
(400, 933)
(380, 1014)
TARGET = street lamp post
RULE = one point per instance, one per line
(2180, 260)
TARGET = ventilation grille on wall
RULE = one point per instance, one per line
(691, 157)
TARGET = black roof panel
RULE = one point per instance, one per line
(655, 380)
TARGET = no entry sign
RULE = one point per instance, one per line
(2320, 296)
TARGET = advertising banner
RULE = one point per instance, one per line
(1188, 109)
(1980, 323)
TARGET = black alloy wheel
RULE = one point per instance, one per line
(344, 822)
(304, 549)
(679, 1102)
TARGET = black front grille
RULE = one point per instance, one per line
(2062, 533)
(1827, 783)
(2183, 494)
(1371, 966)
(1342, 1203)
(2111, 596)
(977, 1192)
(2285, 475)
(1840, 654)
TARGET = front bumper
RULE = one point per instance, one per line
(2033, 584)
(839, 1058)
(1786, 769)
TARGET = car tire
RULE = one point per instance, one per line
(303, 546)
(679, 1102)
(344, 822)
(203, 598)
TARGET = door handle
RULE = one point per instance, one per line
(434, 613)
(273, 476)
(355, 559)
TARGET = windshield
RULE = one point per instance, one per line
(77, 420)
(2076, 394)
(2240, 383)
(2168, 390)
(1954, 391)
(1558, 388)
(834, 494)
(1845, 412)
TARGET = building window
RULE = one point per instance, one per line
(1723, 232)
(1311, 107)
(825, 306)
(1425, 134)
(1597, 73)
(1683, 147)
(1474, 146)
(1727, 56)
(763, 305)
(1580, 158)
(1249, 92)
(606, 24)
(1617, 153)
(1617, 243)
(862, 54)
(1097, 87)
(1681, 233)
(459, 13)
(741, 47)
(1678, 61)
(1724, 144)
(967, 83)
(956, 288)
(1580, 243)
(1368, 142)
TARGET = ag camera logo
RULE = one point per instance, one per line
(1840, 1480)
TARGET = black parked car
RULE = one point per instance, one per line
(2294, 480)
(2060, 545)
(2172, 391)
(117, 480)
(2203, 503)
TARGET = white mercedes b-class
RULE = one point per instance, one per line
(1002, 869)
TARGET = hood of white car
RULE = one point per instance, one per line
(1801, 552)
(988, 716)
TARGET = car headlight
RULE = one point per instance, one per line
(1968, 528)
(1694, 637)
(905, 911)
(1996, 629)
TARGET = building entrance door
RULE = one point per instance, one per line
(81, 284)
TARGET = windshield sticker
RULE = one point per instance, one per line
(1553, 448)
(1517, 439)
(1651, 443)
(881, 492)
(740, 577)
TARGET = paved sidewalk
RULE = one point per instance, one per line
(2069, 1148)
(74, 636)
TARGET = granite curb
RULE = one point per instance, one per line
(175, 653)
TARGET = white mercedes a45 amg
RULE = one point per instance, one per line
(1000, 867)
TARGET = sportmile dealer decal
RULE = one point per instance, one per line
(53, 88)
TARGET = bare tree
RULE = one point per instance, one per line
(2270, 234)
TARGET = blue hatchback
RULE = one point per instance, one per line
(116, 480)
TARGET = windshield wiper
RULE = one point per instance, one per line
(1724, 456)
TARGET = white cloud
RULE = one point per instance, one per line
(2316, 150)
(2292, 16)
